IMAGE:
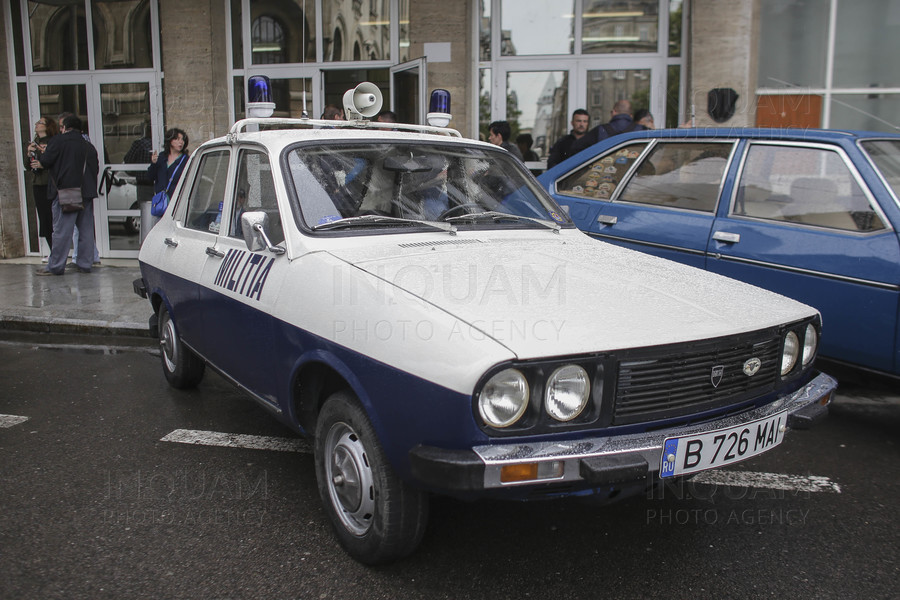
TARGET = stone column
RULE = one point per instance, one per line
(723, 54)
(12, 242)
(437, 21)
(194, 62)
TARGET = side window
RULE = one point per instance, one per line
(204, 211)
(598, 179)
(680, 175)
(812, 186)
(255, 191)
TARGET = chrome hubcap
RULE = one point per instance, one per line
(351, 484)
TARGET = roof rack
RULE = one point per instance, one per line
(269, 124)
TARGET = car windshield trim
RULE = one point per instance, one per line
(495, 216)
(383, 220)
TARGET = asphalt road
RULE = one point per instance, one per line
(94, 505)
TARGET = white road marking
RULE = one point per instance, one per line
(772, 481)
(10, 420)
(237, 440)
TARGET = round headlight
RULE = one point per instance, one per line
(790, 352)
(568, 390)
(810, 343)
(504, 398)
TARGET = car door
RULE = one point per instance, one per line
(658, 197)
(241, 287)
(802, 223)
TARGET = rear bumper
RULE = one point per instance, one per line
(595, 462)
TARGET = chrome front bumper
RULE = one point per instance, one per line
(598, 461)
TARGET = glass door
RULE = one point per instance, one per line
(408, 95)
(128, 130)
(121, 115)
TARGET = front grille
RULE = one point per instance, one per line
(677, 380)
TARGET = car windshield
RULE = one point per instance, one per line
(395, 184)
(886, 156)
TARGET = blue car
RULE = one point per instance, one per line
(810, 214)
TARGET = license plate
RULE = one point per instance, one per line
(698, 452)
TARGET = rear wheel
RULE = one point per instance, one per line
(377, 517)
(182, 367)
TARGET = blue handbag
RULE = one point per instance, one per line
(160, 201)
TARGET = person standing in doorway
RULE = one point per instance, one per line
(166, 173)
(620, 122)
(562, 149)
(72, 163)
(44, 129)
(499, 132)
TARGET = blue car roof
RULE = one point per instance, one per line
(729, 133)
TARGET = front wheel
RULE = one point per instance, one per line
(377, 517)
(182, 367)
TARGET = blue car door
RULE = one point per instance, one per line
(801, 223)
(658, 197)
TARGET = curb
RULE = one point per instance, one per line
(74, 326)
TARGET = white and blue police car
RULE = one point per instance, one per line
(417, 305)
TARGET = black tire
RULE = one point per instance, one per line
(132, 224)
(182, 367)
(377, 517)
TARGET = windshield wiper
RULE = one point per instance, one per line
(494, 215)
(383, 220)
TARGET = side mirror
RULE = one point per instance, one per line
(254, 225)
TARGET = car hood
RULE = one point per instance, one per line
(567, 294)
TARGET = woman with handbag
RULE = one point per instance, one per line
(165, 173)
(44, 129)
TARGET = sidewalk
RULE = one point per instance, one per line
(101, 303)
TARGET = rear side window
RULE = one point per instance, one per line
(811, 186)
(683, 175)
(598, 178)
(204, 211)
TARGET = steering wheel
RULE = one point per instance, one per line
(459, 208)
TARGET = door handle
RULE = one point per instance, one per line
(727, 237)
(211, 250)
(607, 219)
(171, 242)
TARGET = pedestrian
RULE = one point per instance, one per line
(524, 141)
(72, 163)
(643, 117)
(96, 252)
(166, 173)
(386, 116)
(44, 129)
(620, 122)
(562, 149)
(499, 132)
(332, 113)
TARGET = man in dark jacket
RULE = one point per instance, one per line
(498, 134)
(621, 122)
(72, 163)
(562, 149)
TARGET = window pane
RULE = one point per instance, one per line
(867, 63)
(673, 95)
(56, 99)
(803, 185)
(484, 102)
(675, 22)
(598, 179)
(680, 175)
(404, 32)
(122, 34)
(793, 43)
(125, 117)
(339, 81)
(353, 34)
(870, 112)
(536, 104)
(536, 27)
(237, 48)
(281, 33)
(58, 36)
(614, 26)
(208, 193)
(484, 32)
(255, 191)
(18, 44)
(886, 156)
(605, 88)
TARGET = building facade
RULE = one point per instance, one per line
(133, 68)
